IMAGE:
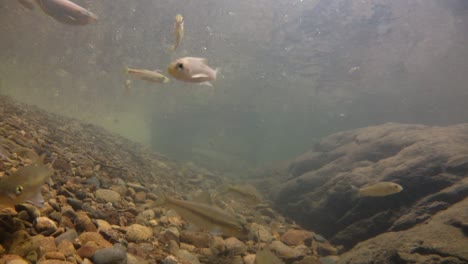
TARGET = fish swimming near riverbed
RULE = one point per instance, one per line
(24, 185)
(380, 189)
(205, 216)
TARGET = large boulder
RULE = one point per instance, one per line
(431, 163)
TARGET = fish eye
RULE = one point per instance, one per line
(19, 190)
(180, 66)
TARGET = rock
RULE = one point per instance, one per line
(22, 244)
(107, 196)
(436, 241)
(171, 233)
(15, 261)
(260, 233)
(140, 197)
(319, 195)
(44, 225)
(286, 252)
(131, 259)
(249, 259)
(46, 244)
(325, 249)
(69, 235)
(198, 239)
(55, 255)
(138, 233)
(296, 237)
(94, 237)
(83, 223)
(170, 260)
(329, 260)
(217, 245)
(66, 248)
(113, 255)
(234, 246)
(308, 260)
(88, 249)
(186, 257)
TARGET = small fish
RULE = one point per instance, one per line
(193, 70)
(354, 69)
(265, 256)
(205, 216)
(25, 184)
(128, 85)
(380, 189)
(178, 31)
(246, 193)
(147, 75)
(29, 4)
(67, 12)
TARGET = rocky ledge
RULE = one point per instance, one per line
(425, 223)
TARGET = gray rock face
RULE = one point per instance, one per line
(431, 163)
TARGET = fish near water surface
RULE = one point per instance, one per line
(147, 75)
(204, 216)
(24, 185)
(380, 189)
(178, 31)
(67, 12)
(192, 70)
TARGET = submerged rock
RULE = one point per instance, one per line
(429, 162)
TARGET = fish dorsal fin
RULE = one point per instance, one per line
(202, 196)
(40, 160)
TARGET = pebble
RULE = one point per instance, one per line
(107, 196)
(186, 257)
(217, 246)
(234, 246)
(113, 255)
(131, 259)
(198, 239)
(83, 223)
(325, 249)
(44, 225)
(260, 233)
(69, 235)
(249, 259)
(284, 251)
(46, 244)
(138, 233)
(294, 237)
(66, 248)
(22, 244)
(170, 260)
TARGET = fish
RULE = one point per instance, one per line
(178, 31)
(29, 4)
(147, 75)
(206, 217)
(24, 185)
(67, 12)
(380, 189)
(192, 70)
(265, 256)
(128, 85)
(246, 193)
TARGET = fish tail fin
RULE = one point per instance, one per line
(126, 69)
(216, 72)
